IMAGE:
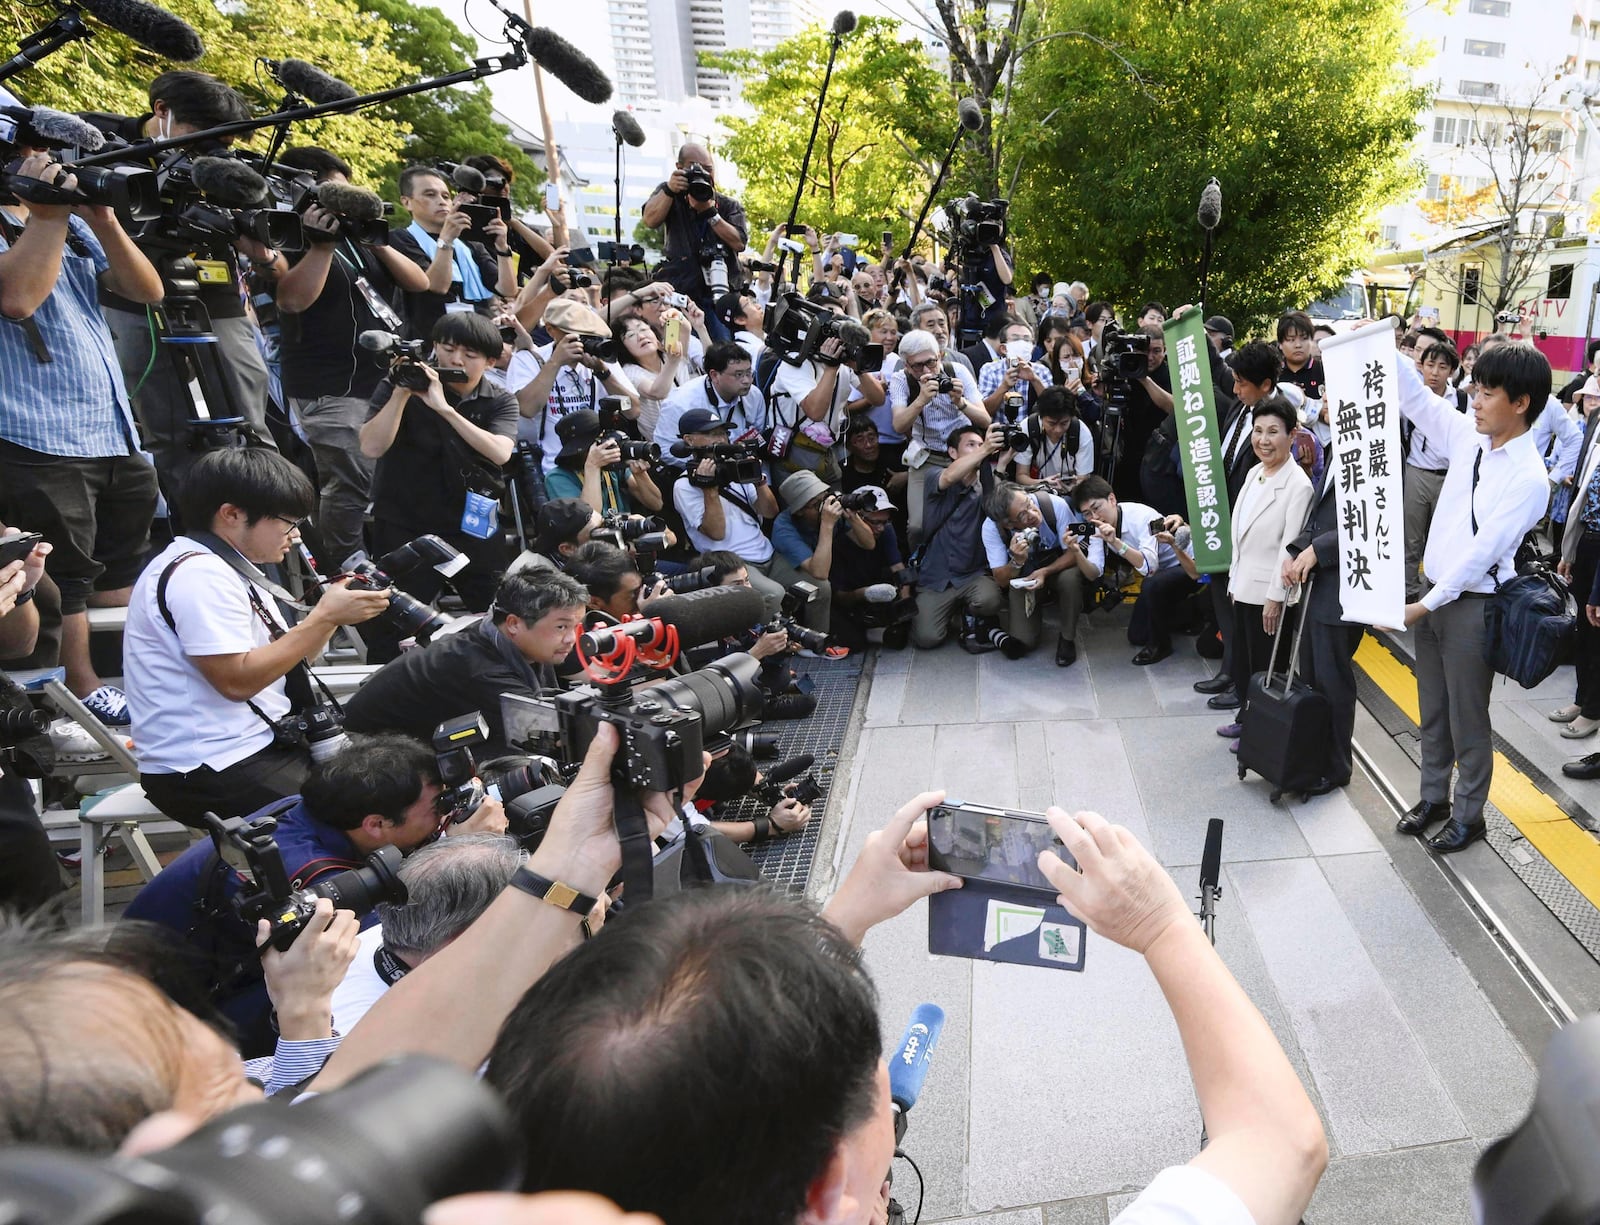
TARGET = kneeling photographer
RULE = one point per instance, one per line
(534, 622)
(1038, 545)
(213, 667)
(807, 535)
(607, 470)
(872, 589)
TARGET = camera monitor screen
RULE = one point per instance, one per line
(995, 844)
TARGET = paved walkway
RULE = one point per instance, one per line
(1054, 1096)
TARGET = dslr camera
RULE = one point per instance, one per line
(603, 347)
(700, 185)
(1013, 439)
(249, 848)
(859, 500)
(642, 536)
(795, 602)
(528, 786)
(405, 360)
(407, 615)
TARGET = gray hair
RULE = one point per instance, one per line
(449, 884)
(533, 594)
(923, 308)
(917, 342)
(997, 503)
(1076, 285)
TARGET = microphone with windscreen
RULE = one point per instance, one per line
(969, 118)
(970, 114)
(228, 182)
(567, 64)
(908, 1066)
(626, 128)
(309, 81)
(844, 21)
(1209, 215)
(697, 618)
(150, 27)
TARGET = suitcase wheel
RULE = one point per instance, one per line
(1241, 774)
(1275, 796)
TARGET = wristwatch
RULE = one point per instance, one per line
(23, 597)
(557, 894)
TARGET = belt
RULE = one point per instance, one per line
(1429, 471)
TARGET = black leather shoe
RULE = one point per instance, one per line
(1226, 700)
(1220, 683)
(1584, 767)
(1152, 655)
(1321, 787)
(1422, 815)
(1457, 835)
(1066, 652)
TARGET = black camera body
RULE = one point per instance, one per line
(406, 360)
(1126, 355)
(858, 500)
(527, 786)
(632, 448)
(619, 253)
(407, 615)
(978, 223)
(806, 789)
(251, 850)
(700, 184)
(1083, 530)
(1013, 439)
(25, 744)
(737, 463)
(795, 602)
(368, 231)
(602, 347)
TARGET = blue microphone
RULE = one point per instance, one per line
(908, 1066)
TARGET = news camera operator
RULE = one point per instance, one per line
(1149, 404)
(930, 397)
(705, 231)
(463, 276)
(208, 654)
(590, 466)
(70, 467)
(332, 291)
(532, 626)
(815, 401)
(1030, 535)
(182, 103)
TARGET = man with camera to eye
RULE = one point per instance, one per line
(335, 289)
(953, 576)
(814, 401)
(930, 397)
(207, 649)
(804, 536)
(591, 466)
(1011, 384)
(1050, 549)
(727, 390)
(463, 276)
(562, 377)
(705, 230)
(872, 589)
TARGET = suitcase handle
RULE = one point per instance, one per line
(1299, 630)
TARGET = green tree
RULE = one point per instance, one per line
(1306, 116)
(884, 127)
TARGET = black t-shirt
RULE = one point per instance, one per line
(1308, 378)
(421, 481)
(320, 356)
(853, 478)
(218, 267)
(423, 310)
(686, 231)
(854, 567)
(456, 675)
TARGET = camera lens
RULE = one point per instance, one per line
(411, 617)
(23, 723)
(361, 889)
(757, 744)
(724, 693)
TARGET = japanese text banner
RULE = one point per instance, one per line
(1364, 462)
(1199, 443)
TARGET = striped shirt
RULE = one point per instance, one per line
(75, 405)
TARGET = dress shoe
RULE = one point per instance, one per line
(1066, 652)
(973, 645)
(1422, 815)
(1226, 700)
(1321, 787)
(1220, 683)
(1584, 767)
(1566, 714)
(1152, 655)
(788, 706)
(1457, 835)
(1580, 729)
(1229, 731)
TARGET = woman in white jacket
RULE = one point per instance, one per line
(1270, 512)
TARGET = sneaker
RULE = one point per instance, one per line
(1230, 731)
(973, 645)
(830, 652)
(788, 706)
(110, 706)
(74, 744)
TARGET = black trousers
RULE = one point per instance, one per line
(1252, 645)
(29, 875)
(1327, 664)
(237, 791)
(1587, 638)
(1156, 608)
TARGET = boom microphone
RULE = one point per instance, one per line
(710, 614)
(908, 1066)
(1210, 212)
(793, 768)
(469, 179)
(376, 341)
(43, 128)
(228, 182)
(168, 36)
(843, 22)
(568, 65)
(970, 114)
(349, 201)
(310, 82)
(627, 128)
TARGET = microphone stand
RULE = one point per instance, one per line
(67, 27)
(1205, 271)
(933, 190)
(616, 245)
(834, 40)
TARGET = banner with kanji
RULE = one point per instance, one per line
(1364, 458)
(1199, 442)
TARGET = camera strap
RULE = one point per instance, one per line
(11, 231)
(389, 967)
(738, 500)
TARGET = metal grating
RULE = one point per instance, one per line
(786, 861)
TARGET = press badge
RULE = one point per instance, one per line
(481, 517)
(981, 292)
(211, 272)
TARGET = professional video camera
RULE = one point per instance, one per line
(975, 224)
(406, 363)
(406, 615)
(528, 786)
(362, 215)
(330, 1160)
(248, 847)
(796, 329)
(131, 190)
(737, 462)
(1124, 361)
(795, 602)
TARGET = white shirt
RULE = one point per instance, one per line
(1147, 554)
(573, 389)
(180, 722)
(362, 986)
(1053, 458)
(1554, 426)
(996, 540)
(742, 533)
(751, 344)
(1511, 496)
(1186, 1195)
(650, 406)
(939, 415)
(748, 412)
(794, 383)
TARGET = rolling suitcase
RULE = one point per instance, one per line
(1284, 730)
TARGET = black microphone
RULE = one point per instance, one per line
(568, 65)
(1211, 857)
(168, 36)
(793, 768)
(43, 128)
(1209, 213)
(843, 22)
(970, 114)
(228, 182)
(310, 82)
(627, 128)
(349, 201)
(709, 615)
(376, 341)
(469, 179)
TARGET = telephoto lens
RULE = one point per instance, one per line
(757, 744)
(362, 889)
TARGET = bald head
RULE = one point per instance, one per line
(695, 155)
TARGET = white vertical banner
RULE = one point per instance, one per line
(1362, 395)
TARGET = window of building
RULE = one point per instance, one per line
(1560, 280)
(1485, 48)
(1471, 284)
(1479, 89)
(1581, 145)
(1490, 8)
(1553, 139)
(1431, 190)
(1444, 130)
(1389, 235)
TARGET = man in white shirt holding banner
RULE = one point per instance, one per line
(1496, 489)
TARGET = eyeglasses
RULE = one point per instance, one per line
(291, 525)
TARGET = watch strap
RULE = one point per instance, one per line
(562, 896)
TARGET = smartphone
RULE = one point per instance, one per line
(888, 239)
(1157, 525)
(673, 338)
(552, 196)
(15, 548)
(993, 844)
(481, 215)
(790, 245)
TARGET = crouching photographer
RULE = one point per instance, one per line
(872, 588)
(787, 788)
(215, 670)
(1039, 546)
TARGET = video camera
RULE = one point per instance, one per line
(25, 744)
(737, 463)
(406, 360)
(975, 223)
(249, 848)
(619, 253)
(406, 615)
(796, 329)
(132, 191)
(780, 783)
(362, 216)
(528, 786)
(1125, 355)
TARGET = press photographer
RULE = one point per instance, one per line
(1012, 383)
(462, 275)
(977, 235)
(872, 589)
(1038, 539)
(727, 390)
(566, 375)
(814, 399)
(213, 667)
(182, 103)
(338, 287)
(28, 872)
(705, 231)
(70, 467)
(1138, 400)
(605, 468)
(1060, 445)
(804, 536)
(952, 568)
(930, 397)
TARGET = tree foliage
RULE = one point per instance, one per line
(1305, 115)
(884, 127)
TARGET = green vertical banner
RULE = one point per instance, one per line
(1199, 442)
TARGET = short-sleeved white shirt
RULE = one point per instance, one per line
(1186, 1195)
(363, 986)
(180, 722)
(794, 383)
(742, 532)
